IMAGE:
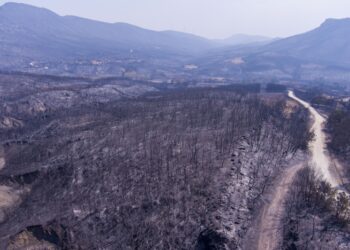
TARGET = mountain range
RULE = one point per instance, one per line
(36, 39)
(37, 31)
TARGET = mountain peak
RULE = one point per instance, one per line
(22, 8)
(13, 5)
(335, 21)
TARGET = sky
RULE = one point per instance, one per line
(208, 18)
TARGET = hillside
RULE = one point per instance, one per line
(32, 38)
(96, 164)
(318, 55)
(329, 44)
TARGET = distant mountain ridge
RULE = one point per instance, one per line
(243, 39)
(42, 31)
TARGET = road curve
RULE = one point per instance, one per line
(319, 159)
(270, 222)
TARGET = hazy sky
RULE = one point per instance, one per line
(209, 18)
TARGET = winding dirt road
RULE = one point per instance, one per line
(270, 220)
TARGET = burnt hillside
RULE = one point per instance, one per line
(168, 170)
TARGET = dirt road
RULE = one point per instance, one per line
(270, 224)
